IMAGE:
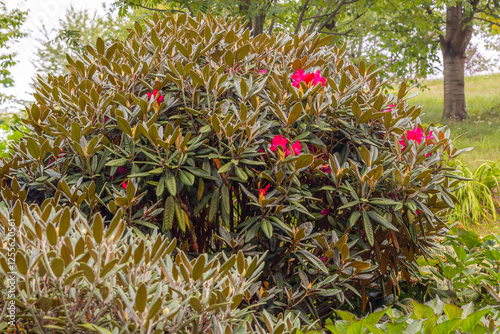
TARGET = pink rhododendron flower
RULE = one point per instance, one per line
(124, 184)
(262, 71)
(279, 140)
(323, 259)
(416, 135)
(155, 95)
(310, 79)
(297, 147)
(325, 212)
(389, 109)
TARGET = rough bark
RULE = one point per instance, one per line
(453, 46)
(454, 92)
(259, 22)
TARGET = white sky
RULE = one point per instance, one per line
(47, 12)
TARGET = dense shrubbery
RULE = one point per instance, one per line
(275, 149)
(77, 276)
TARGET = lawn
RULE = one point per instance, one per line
(482, 130)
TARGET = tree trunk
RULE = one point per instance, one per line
(454, 87)
(453, 46)
(244, 9)
(259, 21)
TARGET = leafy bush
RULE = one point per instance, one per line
(9, 132)
(277, 145)
(468, 270)
(434, 317)
(77, 276)
(477, 197)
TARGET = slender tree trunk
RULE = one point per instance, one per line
(301, 17)
(453, 46)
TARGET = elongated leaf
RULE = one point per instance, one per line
(368, 229)
(381, 220)
(168, 213)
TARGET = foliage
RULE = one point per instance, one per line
(91, 278)
(10, 24)
(434, 317)
(76, 30)
(476, 197)
(467, 270)
(179, 128)
(10, 130)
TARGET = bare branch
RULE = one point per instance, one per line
(332, 15)
(301, 17)
(338, 33)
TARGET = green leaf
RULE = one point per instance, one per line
(297, 110)
(180, 215)
(383, 201)
(98, 228)
(353, 219)
(199, 267)
(471, 321)
(348, 205)
(51, 234)
(171, 183)
(160, 188)
(368, 229)
(124, 126)
(225, 199)
(381, 220)
(267, 228)
(88, 272)
(452, 311)
(141, 297)
(186, 178)
(57, 266)
(214, 205)
(226, 167)
(304, 160)
(314, 260)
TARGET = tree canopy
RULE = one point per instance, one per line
(10, 31)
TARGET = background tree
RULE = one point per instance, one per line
(10, 24)
(427, 28)
(407, 38)
(77, 29)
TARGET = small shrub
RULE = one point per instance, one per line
(434, 317)
(477, 196)
(270, 145)
(466, 270)
(78, 276)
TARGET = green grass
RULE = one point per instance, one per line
(482, 129)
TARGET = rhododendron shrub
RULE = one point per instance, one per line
(300, 160)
